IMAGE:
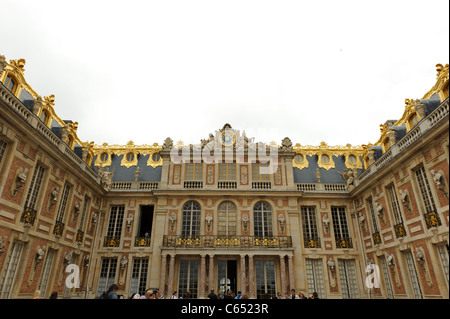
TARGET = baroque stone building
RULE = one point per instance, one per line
(226, 213)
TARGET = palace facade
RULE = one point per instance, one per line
(226, 213)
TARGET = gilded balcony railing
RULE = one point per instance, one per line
(28, 216)
(142, 241)
(111, 241)
(432, 220)
(344, 242)
(312, 242)
(227, 242)
(400, 230)
(377, 238)
(79, 237)
(59, 228)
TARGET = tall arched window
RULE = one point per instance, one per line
(227, 213)
(262, 216)
(191, 219)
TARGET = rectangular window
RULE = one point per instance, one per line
(83, 213)
(314, 276)
(188, 278)
(139, 276)
(425, 190)
(443, 254)
(46, 272)
(265, 278)
(340, 227)
(387, 279)
(373, 215)
(2, 149)
(256, 173)
(9, 272)
(115, 221)
(35, 186)
(310, 233)
(63, 203)
(413, 274)
(227, 171)
(193, 172)
(349, 283)
(107, 275)
(393, 202)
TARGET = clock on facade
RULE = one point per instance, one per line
(227, 138)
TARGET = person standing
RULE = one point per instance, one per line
(293, 295)
(111, 293)
(212, 295)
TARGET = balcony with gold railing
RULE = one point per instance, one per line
(227, 242)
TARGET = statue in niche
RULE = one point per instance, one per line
(21, 178)
(176, 174)
(245, 220)
(210, 177)
(282, 221)
(172, 220)
(209, 220)
(244, 174)
(53, 197)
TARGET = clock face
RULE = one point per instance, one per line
(227, 138)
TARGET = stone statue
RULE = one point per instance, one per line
(129, 221)
(318, 175)
(349, 175)
(172, 220)
(106, 177)
(282, 221)
(21, 178)
(245, 220)
(137, 173)
(326, 222)
(53, 197)
(404, 197)
(331, 265)
(123, 263)
(390, 260)
(40, 252)
(209, 220)
(420, 256)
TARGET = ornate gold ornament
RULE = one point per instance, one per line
(325, 154)
(130, 153)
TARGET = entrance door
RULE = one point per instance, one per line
(227, 276)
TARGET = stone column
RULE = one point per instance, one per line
(171, 274)
(201, 286)
(283, 275)
(243, 277)
(251, 274)
(211, 273)
(291, 272)
(162, 280)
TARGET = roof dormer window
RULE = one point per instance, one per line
(10, 83)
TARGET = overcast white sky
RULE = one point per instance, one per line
(314, 71)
